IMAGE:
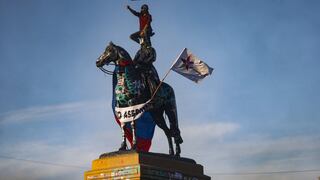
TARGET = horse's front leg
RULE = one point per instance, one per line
(123, 146)
(178, 149)
(134, 138)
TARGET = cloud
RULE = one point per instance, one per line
(214, 151)
(210, 145)
(259, 147)
(60, 159)
(196, 136)
(210, 130)
(78, 153)
(64, 161)
(55, 147)
(262, 154)
(40, 112)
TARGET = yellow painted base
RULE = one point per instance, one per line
(136, 165)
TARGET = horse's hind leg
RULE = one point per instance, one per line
(171, 112)
(160, 121)
(123, 146)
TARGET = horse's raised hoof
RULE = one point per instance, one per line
(175, 133)
(178, 139)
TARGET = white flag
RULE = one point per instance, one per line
(131, 113)
(191, 67)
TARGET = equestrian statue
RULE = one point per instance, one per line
(136, 82)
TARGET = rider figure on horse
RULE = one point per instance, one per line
(143, 35)
(147, 54)
(143, 62)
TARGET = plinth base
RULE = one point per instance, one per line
(140, 165)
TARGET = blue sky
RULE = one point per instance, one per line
(258, 112)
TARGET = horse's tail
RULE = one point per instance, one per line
(170, 109)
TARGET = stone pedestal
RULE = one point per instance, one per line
(137, 165)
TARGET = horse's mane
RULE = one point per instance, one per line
(123, 53)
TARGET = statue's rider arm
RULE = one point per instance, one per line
(133, 11)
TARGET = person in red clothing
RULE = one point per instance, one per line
(145, 31)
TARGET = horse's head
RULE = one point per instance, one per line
(110, 54)
(113, 53)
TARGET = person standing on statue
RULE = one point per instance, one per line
(145, 32)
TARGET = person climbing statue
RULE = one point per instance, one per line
(145, 32)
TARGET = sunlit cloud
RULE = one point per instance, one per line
(254, 153)
(51, 160)
(262, 154)
(209, 130)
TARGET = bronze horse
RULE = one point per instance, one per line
(124, 75)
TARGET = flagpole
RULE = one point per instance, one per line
(154, 93)
(177, 58)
